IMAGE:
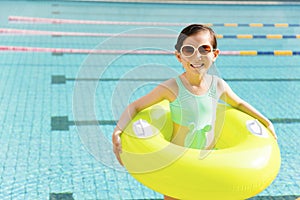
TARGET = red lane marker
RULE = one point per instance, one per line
(74, 21)
(56, 33)
(95, 51)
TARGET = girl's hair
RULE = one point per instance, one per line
(193, 29)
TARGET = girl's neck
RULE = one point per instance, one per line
(194, 79)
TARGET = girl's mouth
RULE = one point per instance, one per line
(197, 66)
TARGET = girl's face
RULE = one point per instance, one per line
(197, 53)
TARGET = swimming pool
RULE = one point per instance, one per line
(50, 98)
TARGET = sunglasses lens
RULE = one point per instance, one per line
(205, 49)
(187, 50)
(190, 50)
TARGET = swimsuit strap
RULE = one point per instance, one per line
(213, 88)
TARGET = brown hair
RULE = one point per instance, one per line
(193, 29)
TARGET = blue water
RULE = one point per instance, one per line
(42, 153)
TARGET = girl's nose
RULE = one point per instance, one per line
(199, 56)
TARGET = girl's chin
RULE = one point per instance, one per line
(199, 70)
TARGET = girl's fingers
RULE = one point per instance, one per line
(275, 136)
(272, 130)
(117, 147)
(117, 154)
(120, 161)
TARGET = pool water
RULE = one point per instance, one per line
(58, 110)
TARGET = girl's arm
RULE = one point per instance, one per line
(235, 101)
(158, 94)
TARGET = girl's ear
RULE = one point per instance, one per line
(178, 56)
(216, 53)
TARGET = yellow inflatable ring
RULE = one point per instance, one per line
(245, 161)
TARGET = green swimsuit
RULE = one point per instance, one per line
(195, 112)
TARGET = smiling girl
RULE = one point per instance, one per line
(192, 96)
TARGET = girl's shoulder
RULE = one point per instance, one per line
(221, 85)
(218, 80)
(170, 83)
(171, 87)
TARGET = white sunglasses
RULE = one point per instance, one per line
(189, 50)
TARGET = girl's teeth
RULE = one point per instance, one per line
(196, 66)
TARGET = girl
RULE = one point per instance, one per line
(193, 95)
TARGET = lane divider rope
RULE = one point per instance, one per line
(143, 52)
(56, 33)
(74, 21)
(86, 34)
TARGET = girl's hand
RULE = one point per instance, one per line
(272, 130)
(117, 147)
